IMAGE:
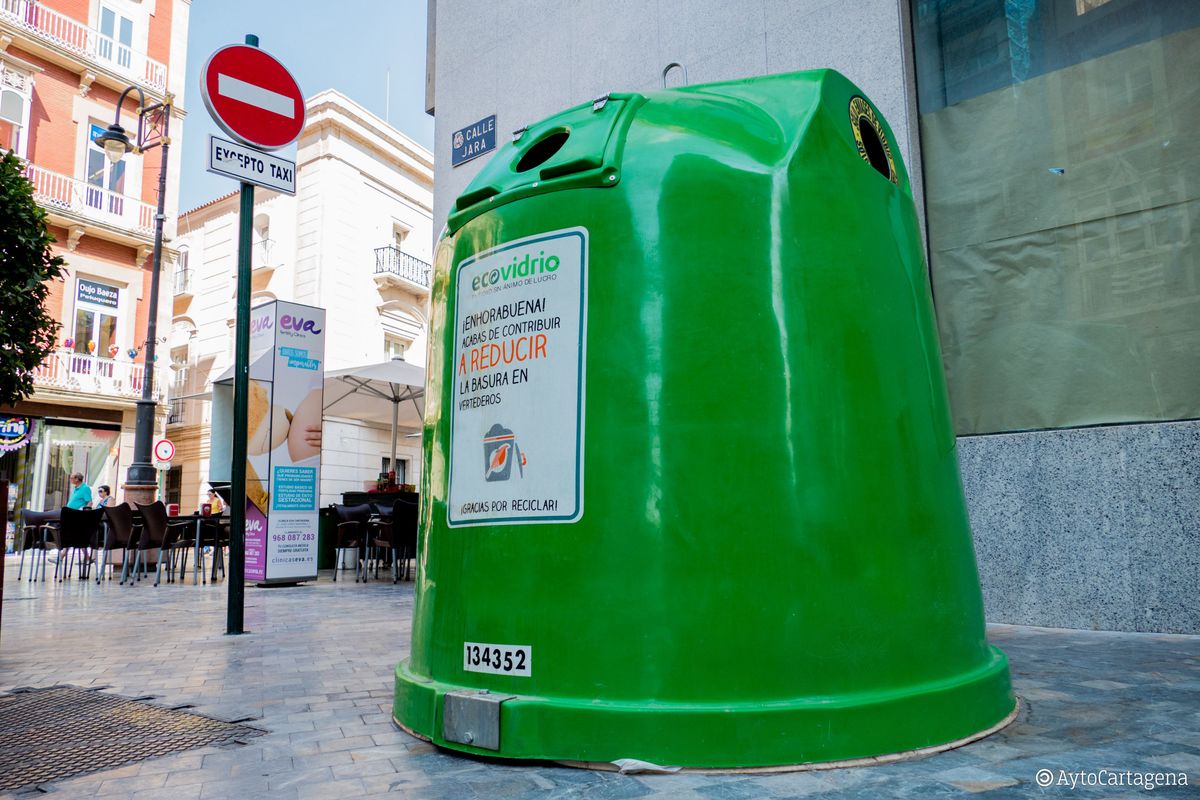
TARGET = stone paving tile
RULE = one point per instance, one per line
(316, 671)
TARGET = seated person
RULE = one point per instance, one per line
(81, 495)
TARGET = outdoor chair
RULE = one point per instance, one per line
(78, 531)
(380, 541)
(352, 531)
(37, 527)
(122, 534)
(396, 534)
(404, 527)
(159, 532)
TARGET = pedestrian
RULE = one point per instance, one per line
(106, 498)
(215, 501)
(81, 495)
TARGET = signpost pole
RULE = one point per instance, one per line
(234, 623)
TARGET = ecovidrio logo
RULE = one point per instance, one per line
(526, 267)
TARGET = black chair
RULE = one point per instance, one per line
(353, 531)
(159, 532)
(381, 540)
(78, 532)
(37, 529)
(121, 533)
(404, 531)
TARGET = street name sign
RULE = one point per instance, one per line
(473, 141)
(253, 97)
(251, 165)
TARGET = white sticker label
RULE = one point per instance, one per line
(516, 425)
(499, 659)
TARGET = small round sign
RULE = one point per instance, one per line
(164, 450)
(252, 97)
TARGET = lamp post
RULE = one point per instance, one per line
(153, 127)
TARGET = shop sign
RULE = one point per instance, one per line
(14, 433)
(97, 293)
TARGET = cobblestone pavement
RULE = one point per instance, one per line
(316, 672)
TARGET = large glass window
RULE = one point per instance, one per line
(102, 174)
(1062, 188)
(12, 118)
(116, 42)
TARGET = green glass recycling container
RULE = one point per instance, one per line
(690, 491)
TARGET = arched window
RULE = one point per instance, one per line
(183, 275)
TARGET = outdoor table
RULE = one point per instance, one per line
(200, 519)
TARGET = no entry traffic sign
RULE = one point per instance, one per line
(164, 450)
(252, 97)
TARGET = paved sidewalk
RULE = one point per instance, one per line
(316, 672)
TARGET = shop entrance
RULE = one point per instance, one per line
(41, 471)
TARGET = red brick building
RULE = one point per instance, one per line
(63, 65)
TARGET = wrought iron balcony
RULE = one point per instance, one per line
(72, 35)
(390, 260)
(62, 193)
(260, 254)
(183, 281)
(84, 373)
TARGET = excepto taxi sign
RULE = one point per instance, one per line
(247, 164)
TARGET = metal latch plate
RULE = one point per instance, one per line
(473, 718)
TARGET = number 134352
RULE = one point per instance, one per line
(498, 659)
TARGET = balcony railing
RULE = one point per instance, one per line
(260, 254)
(390, 259)
(183, 281)
(57, 192)
(88, 374)
(73, 35)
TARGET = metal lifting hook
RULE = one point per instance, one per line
(667, 69)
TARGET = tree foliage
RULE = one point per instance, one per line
(27, 332)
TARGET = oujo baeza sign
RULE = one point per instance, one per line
(516, 426)
(255, 100)
(283, 448)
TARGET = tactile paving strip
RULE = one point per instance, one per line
(62, 731)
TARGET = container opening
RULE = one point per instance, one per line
(876, 155)
(542, 151)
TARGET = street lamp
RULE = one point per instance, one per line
(153, 127)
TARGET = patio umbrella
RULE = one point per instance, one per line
(376, 392)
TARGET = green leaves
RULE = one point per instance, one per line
(27, 332)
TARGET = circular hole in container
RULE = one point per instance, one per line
(876, 155)
(543, 151)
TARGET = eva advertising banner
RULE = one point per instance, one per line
(283, 449)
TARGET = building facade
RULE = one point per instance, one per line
(63, 65)
(1055, 175)
(354, 240)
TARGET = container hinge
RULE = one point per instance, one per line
(518, 133)
(473, 718)
(600, 102)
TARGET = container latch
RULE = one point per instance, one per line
(473, 718)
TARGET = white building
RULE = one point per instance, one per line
(354, 240)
